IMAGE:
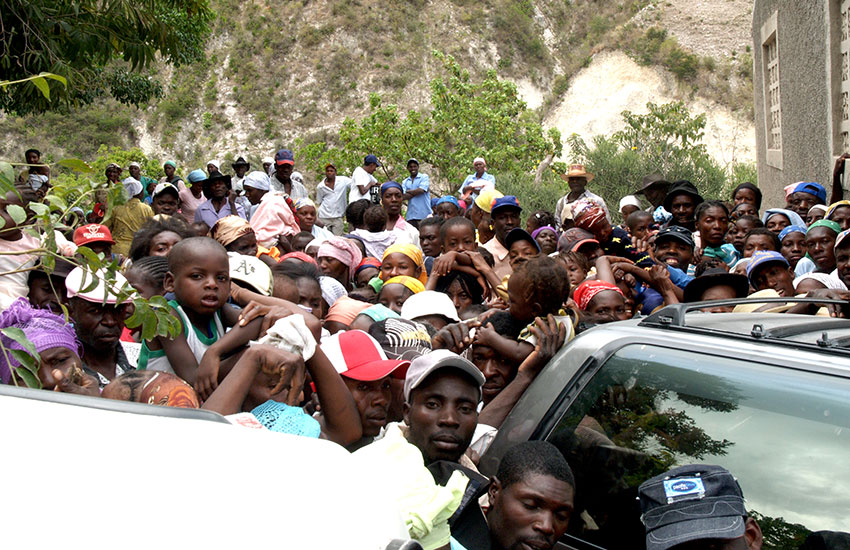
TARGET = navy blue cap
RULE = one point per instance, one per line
(508, 201)
(284, 156)
(762, 257)
(371, 159)
(519, 234)
(693, 502)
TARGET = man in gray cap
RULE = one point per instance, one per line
(654, 187)
(697, 507)
(441, 393)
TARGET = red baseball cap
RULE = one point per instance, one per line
(92, 233)
(356, 355)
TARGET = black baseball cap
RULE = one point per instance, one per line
(519, 234)
(693, 502)
(676, 232)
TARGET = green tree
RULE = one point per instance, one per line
(466, 119)
(99, 47)
(669, 140)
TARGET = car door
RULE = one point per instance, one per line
(783, 432)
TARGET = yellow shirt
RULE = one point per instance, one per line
(126, 219)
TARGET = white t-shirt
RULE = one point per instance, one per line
(14, 285)
(359, 177)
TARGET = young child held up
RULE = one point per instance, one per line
(199, 276)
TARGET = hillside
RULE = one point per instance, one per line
(279, 71)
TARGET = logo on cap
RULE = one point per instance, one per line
(683, 489)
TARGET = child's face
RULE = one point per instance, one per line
(575, 273)
(393, 296)
(521, 306)
(429, 240)
(794, 247)
(739, 231)
(396, 264)
(142, 286)
(202, 282)
(300, 243)
(309, 294)
(459, 239)
(365, 275)
(641, 229)
(520, 253)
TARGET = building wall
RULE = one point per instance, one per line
(806, 96)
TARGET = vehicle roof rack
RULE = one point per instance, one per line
(673, 315)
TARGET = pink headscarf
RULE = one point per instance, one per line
(343, 250)
(345, 310)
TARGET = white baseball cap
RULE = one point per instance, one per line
(424, 366)
(80, 280)
(429, 302)
(252, 271)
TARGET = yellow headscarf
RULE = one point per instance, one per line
(413, 284)
(414, 253)
(834, 206)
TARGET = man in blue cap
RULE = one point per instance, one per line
(281, 181)
(505, 213)
(362, 179)
(697, 507)
(416, 187)
(804, 196)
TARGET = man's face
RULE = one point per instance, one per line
(370, 168)
(240, 170)
(283, 172)
(479, 167)
(442, 415)
(169, 171)
(135, 171)
(531, 513)
(520, 252)
(219, 189)
(713, 224)
(413, 168)
(776, 276)
(211, 168)
(97, 326)
(391, 200)
(683, 208)
(655, 194)
(165, 203)
(47, 292)
(504, 220)
(429, 240)
(800, 202)
(674, 252)
(577, 185)
(330, 172)
(32, 157)
(373, 401)
(820, 242)
(497, 369)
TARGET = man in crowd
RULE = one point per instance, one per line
(331, 198)
(416, 192)
(697, 507)
(281, 181)
(505, 213)
(578, 178)
(477, 181)
(363, 180)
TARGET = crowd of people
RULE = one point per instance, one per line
(399, 323)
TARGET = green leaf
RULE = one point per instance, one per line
(60, 78)
(7, 175)
(40, 209)
(29, 378)
(26, 360)
(18, 336)
(136, 318)
(75, 164)
(149, 325)
(18, 214)
(94, 260)
(42, 86)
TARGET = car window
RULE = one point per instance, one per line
(785, 435)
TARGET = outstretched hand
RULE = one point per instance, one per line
(455, 337)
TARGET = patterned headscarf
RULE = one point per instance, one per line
(229, 228)
(586, 213)
(588, 289)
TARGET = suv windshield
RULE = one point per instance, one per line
(785, 434)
